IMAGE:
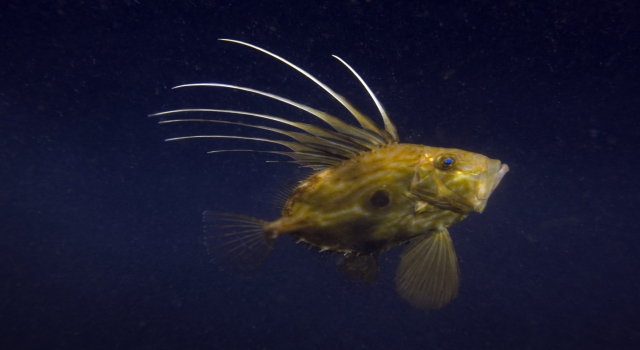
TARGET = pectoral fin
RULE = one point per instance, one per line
(360, 268)
(428, 273)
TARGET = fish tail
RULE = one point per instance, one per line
(242, 241)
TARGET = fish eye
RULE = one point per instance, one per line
(380, 199)
(446, 162)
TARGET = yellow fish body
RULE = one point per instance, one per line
(370, 193)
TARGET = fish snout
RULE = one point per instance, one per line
(488, 182)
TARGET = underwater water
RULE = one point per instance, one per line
(101, 234)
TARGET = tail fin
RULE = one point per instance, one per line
(242, 239)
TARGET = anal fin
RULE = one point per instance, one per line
(428, 275)
(360, 268)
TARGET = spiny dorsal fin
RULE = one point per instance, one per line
(319, 148)
(388, 125)
(320, 144)
(364, 121)
(367, 139)
(343, 141)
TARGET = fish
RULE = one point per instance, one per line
(368, 193)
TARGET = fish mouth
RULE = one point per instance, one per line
(488, 182)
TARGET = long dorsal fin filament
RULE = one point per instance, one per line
(316, 147)
(388, 125)
(364, 121)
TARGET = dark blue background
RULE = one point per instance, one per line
(100, 242)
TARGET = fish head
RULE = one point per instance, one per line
(457, 180)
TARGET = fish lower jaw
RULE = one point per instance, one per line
(489, 186)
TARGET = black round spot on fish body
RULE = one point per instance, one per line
(380, 199)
